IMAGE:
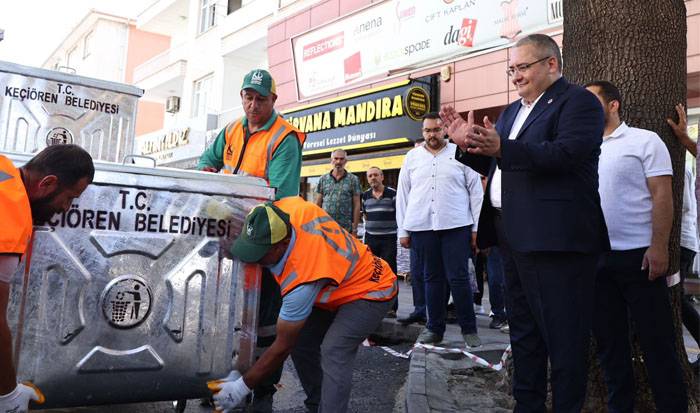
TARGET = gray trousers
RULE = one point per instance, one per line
(325, 351)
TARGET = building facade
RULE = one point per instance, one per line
(108, 47)
(214, 43)
(337, 48)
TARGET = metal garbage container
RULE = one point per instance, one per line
(40, 107)
(129, 296)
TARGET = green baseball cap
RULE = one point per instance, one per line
(265, 226)
(261, 81)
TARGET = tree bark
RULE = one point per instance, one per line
(640, 46)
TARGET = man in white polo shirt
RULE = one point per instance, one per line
(636, 197)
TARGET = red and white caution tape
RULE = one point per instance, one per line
(389, 350)
(476, 359)
(473, 357)
(396, 353)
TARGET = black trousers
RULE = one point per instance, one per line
(479, 269)
(549, 298)
(268, 311)
(384, 247)
(623, 294)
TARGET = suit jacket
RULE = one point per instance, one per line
(549, 179)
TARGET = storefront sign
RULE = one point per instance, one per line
(173, 145)
(391, 114)
(401, 33)
(161, 143)
(417, 103)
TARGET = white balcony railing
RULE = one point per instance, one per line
(158, 63)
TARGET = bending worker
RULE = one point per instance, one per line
(264, 145)
(30, 195)
(335, 293)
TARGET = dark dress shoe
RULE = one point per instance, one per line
(413, 318)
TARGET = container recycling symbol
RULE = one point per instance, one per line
(126, 301)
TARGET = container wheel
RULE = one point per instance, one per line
(179, 406)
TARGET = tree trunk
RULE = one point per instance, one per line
(640, 46)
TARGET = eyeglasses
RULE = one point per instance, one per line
(432, 130)
(524, 67)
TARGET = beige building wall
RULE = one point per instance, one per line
(477, 82)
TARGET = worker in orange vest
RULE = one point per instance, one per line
(31, 195)
(335, 293)
(264, 145)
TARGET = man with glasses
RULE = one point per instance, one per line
(542, 209)
(435, 223)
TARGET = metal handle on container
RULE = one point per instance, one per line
(132, 157)
(247, 286)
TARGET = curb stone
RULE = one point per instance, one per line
(416, 395)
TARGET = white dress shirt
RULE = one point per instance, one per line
(523, 113)
(436, 192)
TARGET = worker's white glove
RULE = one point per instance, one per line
(17, 401)
(229, 392)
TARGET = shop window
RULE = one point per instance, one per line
(207, 15)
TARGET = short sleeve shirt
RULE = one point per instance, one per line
(627, 158)
(337, 197)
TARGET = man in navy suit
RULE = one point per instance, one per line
(542, 209)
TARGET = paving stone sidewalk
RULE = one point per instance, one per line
(439, 382)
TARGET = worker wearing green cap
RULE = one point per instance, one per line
(261, 144)
(335, 293)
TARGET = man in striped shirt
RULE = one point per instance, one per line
(379, 211)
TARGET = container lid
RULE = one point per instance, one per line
(170, 178)
(15, 68)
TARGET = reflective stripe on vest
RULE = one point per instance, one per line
(350, 250)
(252, 157)
(325, 251)
(384, 294)
(274, 143)
(288, 280)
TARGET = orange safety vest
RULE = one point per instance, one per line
(259, 149)
(324, 250)
(15, 211)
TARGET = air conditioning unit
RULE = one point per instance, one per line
(172, 104)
